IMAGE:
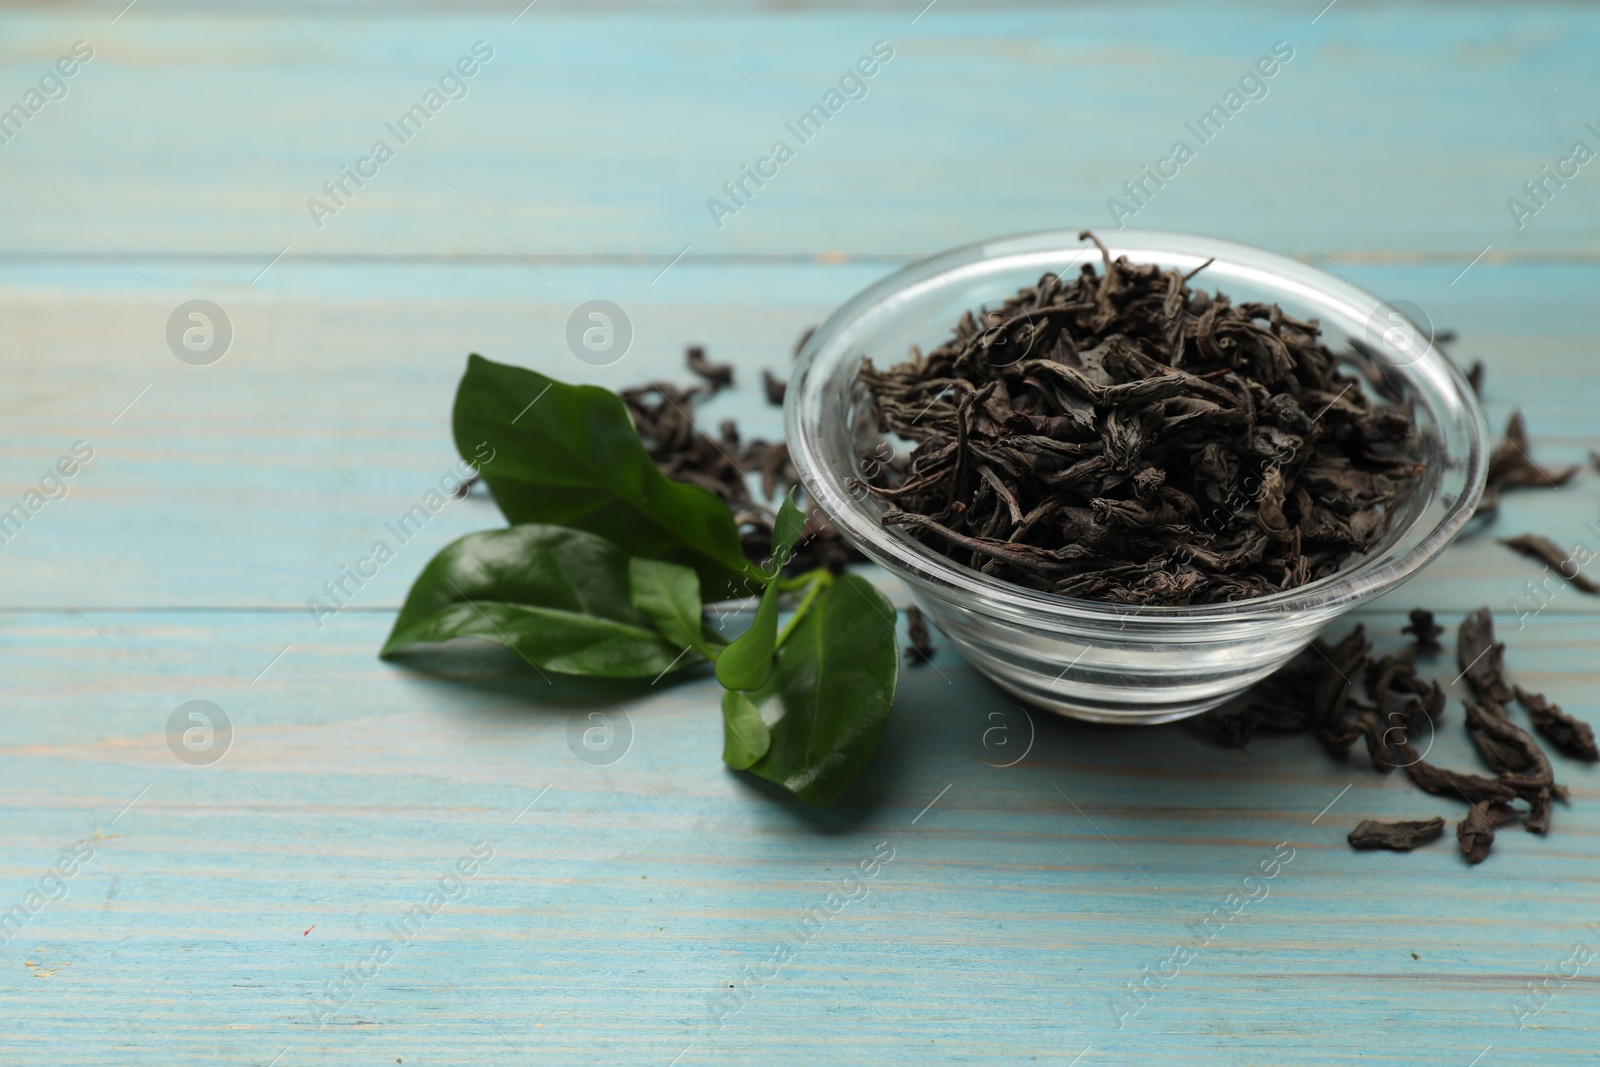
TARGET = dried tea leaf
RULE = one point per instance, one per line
(1447, 783)
(717, 375)
(1503, 755)
(1522, 764)
(1399, 836)
(1424, 629)
(775, 388)
(1510, 467)
(1480, 659)
(1551, 554)
(1572, 737)
(1476, 834)
(919, 647)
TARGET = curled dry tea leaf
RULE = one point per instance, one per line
(1481, 660)
(1521, 763)
(1398, 836)
(1424, 629)
(1476, 834)
(716, 375)
(775, 388)
(1551, 554)
(919, 646)
(558, 597)
(1573, 737)
(1511, 468)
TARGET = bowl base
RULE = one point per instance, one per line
(1121, 715)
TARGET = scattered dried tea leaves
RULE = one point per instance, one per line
(1399, 836)
(1314, 693)
(1120, 436)
(1551, 554)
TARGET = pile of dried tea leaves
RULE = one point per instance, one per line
(1316, 694)
(663, 414)
(1124, 437)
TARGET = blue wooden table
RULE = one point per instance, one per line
(406, 866)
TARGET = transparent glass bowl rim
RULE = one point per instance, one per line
(829, 349)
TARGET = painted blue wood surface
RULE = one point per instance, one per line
(622, 901)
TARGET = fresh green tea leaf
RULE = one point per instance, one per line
(786, 530)
(555, 641)
(747, 661)
(670, 596)
(744, 735)
(558, 597)
(834, 683)
(569, 455)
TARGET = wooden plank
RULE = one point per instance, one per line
(224, 486)
(1012, 914)
(607, 135)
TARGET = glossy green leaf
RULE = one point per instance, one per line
(560, 598)
(786, 530)
(670, 596)
(833, 685)
(747, 661)
(569, 455)
(744, 735)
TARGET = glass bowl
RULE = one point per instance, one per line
(1111, 662)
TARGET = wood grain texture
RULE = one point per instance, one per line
(622, 901)
(606, 132)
